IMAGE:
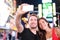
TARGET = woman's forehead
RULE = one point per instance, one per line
(41, 20)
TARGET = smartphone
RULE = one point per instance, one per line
(28, 8)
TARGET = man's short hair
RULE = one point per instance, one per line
(33, 14)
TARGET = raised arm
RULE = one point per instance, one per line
(18, 23)
(19, 13)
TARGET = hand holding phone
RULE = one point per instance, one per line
(28, 8)
(20, 9)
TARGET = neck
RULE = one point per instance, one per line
(48, 30)
(33, 30)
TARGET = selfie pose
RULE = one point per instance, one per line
(27, 33)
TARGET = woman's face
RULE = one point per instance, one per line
(43, 24)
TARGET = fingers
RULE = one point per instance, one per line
(20, 9)
(21, 6)
(24, 4)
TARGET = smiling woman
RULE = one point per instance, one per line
(48, 32)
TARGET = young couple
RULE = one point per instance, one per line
(44, 31)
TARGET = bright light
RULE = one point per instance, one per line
(45, 1)
(39, 10)
(4, 13)
(54, 9)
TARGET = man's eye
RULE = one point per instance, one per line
(31, 20)
(35, 20)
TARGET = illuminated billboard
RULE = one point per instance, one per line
(47, 10)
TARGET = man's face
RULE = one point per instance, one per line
(33, 22)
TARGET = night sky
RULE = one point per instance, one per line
(35, 2)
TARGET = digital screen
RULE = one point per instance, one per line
(47, 11)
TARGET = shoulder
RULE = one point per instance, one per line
(25, 30)
(57, 29)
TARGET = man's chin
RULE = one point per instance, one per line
(33, 27)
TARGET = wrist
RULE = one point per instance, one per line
(18, 14)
